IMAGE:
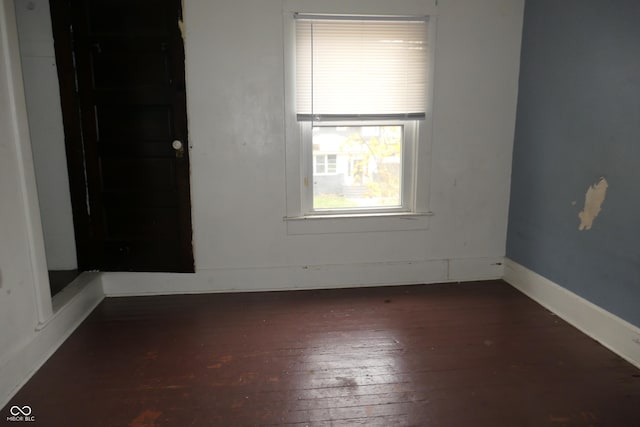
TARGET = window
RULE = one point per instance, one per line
(370, 170)
(357, 116)
(324, 163)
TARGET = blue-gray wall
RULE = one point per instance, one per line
(578, 120)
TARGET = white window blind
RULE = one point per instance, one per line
(361, 68)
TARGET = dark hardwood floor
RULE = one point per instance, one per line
(473, 354)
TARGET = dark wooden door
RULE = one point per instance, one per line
(126, 128)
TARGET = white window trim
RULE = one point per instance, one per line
(298, 163)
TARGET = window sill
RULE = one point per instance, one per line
(357, 223)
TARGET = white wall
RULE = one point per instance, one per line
(18, 307)
(234, 64)
(47, 134)
(30, 330)
(19, 310)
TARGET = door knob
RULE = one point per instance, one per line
(178, 147)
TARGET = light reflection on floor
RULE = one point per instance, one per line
(358, 370)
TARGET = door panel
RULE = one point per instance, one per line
(114, 68)
(136, 123)
(131, 18)
(139, 224)
(128, 59)
(129, 175)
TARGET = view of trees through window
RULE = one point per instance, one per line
(357, 166)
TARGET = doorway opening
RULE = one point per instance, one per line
(104, 82)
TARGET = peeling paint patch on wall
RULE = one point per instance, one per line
(592, 204)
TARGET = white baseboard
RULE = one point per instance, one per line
(617, 335)
(274, 278)
(80, 298)
(473, 269)
(302, 277)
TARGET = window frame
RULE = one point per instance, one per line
(298, 155)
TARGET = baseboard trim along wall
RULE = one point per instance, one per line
(83, 295)
(616, 334)
(303, 277)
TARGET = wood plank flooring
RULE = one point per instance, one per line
(472, 354)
